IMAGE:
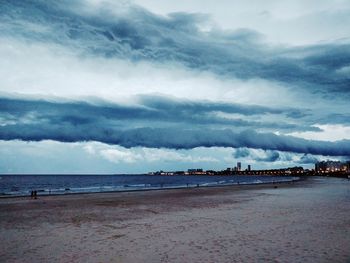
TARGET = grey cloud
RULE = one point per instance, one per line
(142, 35)
(307, 159)
(71, 122)
(173, 138)
(167, 103)
(273, 156)
(152, 111)
(334, 118)
(241, 153)
(265, 156)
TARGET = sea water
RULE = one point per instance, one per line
(21, 185)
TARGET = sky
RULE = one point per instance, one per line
(137, 86)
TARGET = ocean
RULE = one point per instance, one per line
(22, 185)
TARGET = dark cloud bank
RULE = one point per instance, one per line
(174, 138)
(73, 122)
(137, 34)
(152, 111)
(272, 156)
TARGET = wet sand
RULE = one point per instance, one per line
(307, 221)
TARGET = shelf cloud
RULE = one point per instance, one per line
(135, 74)
(152, 124)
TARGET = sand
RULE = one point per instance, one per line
(307, 221)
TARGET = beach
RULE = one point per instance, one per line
(305, 221)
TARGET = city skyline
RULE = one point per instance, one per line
(325, 167)
(136, 86)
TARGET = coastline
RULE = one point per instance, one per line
(293, 179)
(304, 221)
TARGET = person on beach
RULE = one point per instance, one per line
(31, 194)
(35, 194)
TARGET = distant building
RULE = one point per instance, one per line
(294, 170)
(239, 166)
(330, 166)
(249, 168)
(195, 172)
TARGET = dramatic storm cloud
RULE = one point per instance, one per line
(149, 77)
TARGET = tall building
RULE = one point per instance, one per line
(249, 168)
(329, 166)
(239, 166)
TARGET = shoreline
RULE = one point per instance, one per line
(294, 180)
